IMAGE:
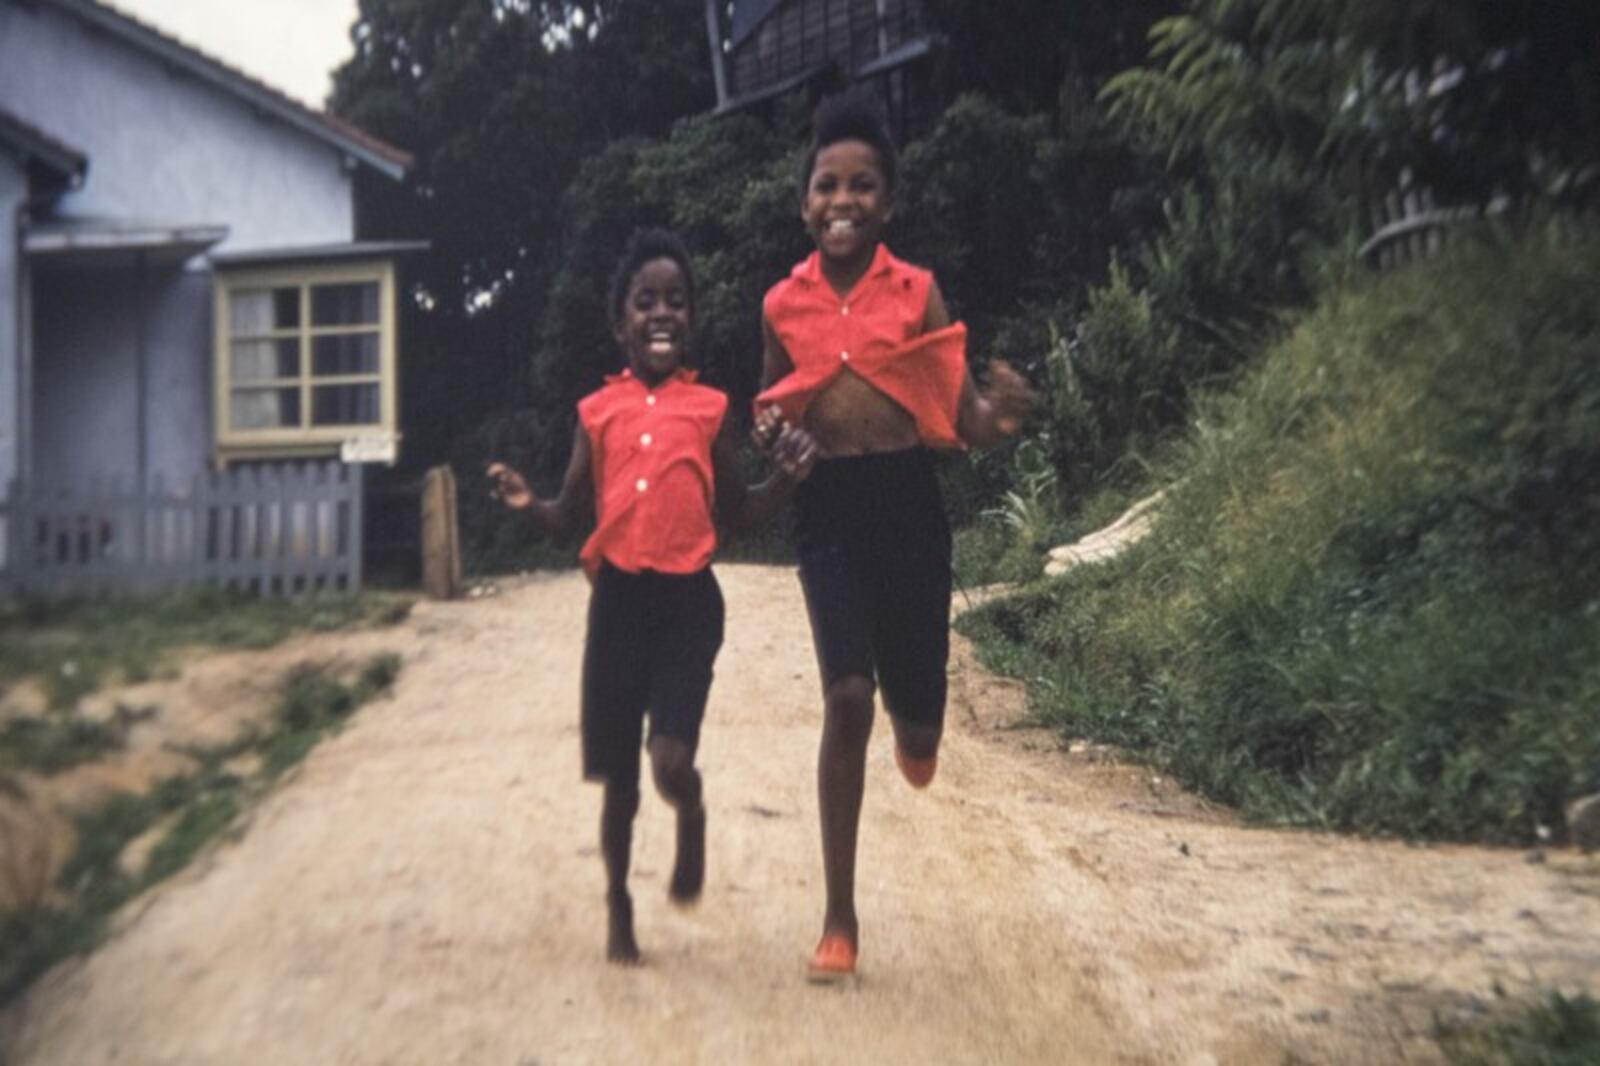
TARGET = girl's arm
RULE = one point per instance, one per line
(775, 362)
(775, 366)
(983, 419)
(557, 517)
(742, 506)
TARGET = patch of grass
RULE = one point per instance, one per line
(315, 703)
(1372, 599)
(73, 648)
(1558, 1031)
(201, 821)
(199, 808)
(57, 741)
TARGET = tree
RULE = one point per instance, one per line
(500, 101)
(1472, 98)
(1024, 54)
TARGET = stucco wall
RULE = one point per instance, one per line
(163, 146)
(13, 188)
(85, 396)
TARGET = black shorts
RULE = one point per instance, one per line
(874, 549)
(652, 641)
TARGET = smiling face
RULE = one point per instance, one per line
(654, 330)
(846, 204)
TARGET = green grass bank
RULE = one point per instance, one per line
(1372, 599)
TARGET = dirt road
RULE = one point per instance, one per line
(426, 889)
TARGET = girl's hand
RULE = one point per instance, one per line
(1009, 397)
(769, 425)
(509, 487)
(795, 452)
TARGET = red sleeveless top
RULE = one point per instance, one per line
(874, 331)
(653, 480)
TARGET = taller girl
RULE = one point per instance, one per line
(859, 349)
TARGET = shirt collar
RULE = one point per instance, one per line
(682, 374)
(809, 269)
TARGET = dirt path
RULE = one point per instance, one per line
(425, 889)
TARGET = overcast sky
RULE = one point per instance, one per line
(291, 45)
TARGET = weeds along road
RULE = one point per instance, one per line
(425, 888)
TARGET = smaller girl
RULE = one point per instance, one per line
(651, 455)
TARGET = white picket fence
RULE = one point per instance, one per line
(1409, 226)
(284, 529)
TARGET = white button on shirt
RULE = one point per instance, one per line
(845, 309)
(651, 399)
(844, 356)
(641, 484)
(645, 440)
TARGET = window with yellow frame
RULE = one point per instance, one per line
(305, 359)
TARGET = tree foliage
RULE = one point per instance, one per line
(1026, 58)
(1471, 98)
(1218, 152)
(501, 102)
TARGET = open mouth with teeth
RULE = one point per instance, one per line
(661, 341)
(839, 227)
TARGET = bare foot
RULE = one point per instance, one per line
(689, 870)
(621, 948)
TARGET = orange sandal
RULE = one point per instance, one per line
(919, 772)
(833, 961)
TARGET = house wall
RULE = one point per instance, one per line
(13, 190)
(799, 34)
(163, 146)
(94, 323)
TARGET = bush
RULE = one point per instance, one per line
(1111, 382)
(1373, 596)
(1558, 1031)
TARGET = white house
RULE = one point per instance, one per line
(182, 291)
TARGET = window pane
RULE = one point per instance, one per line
(345, 305)
(344, 405)
(345, 353)
(265, 408)
(255, 311)
(265, 360)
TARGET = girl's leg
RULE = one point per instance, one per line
(672, 766)
(916, 749)
(841, 773)
(616, 841)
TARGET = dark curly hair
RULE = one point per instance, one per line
(853, 115)
(646, 245)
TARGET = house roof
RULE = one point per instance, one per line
(321, 125)
(112, 241)
(38, 147)
(319, 253)
(747, 15)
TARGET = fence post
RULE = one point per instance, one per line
(355, 537)
(11, 526)
(441, 549)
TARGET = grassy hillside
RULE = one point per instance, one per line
(1373, 599)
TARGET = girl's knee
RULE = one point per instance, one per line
(672, 767)
(849, 706)
(621, 801)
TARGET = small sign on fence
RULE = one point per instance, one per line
(370, 448)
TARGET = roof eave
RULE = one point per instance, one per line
(33, 145)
